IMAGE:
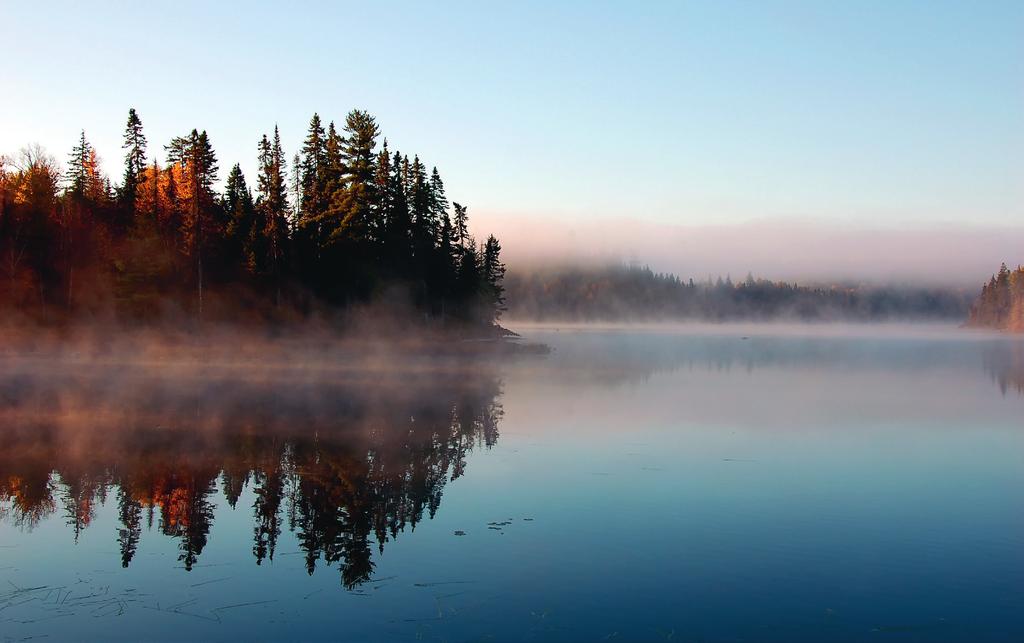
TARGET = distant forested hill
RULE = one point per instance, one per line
(633, 293)
(1001, 304)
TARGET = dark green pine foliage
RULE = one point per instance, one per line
(493, 275)
(382, 208)
(418, 187)
(313, 195)
(272, 211)
(438, 205)
(241, 233)
(312, 171)
(134, 160)
(397, 248)
(443, 266)
(352, 207)
(317, 219)
(334, 163)
(83, 179)
(77, 165)
(460, 225)
(469, 281)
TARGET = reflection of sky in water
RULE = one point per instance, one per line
(658, 485)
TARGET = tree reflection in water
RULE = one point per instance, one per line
(1006, 366)
(345, 460)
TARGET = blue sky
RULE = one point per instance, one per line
(691, 113)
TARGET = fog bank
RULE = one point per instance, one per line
(788, 249)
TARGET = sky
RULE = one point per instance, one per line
(877, 117)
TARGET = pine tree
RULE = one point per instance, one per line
(272, 207)
(406, 172)
(83, 177)
(134, 159)
(397, 246)
(351, 208)
(334, 163)
(419, 203)
(493, 274)
(460, 226)
(317, 169)
(468, 280)
(241, 212)
(194, 155)
(316, 220)
(381, 182)
(77, 160)
(314, 159)
(438, 203)
(296, 190)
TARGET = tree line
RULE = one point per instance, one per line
(348, 222)
(637, 293)
(1001, 303)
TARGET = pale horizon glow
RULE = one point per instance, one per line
(699, 115)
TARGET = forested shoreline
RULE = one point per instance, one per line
(1001, 303)
(346, 223)
(637, 293)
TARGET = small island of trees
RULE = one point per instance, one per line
(348, 223)
(1001, 303)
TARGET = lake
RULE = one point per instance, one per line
(701, 483)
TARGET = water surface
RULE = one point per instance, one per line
(684, 484)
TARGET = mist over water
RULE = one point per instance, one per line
(658, 482)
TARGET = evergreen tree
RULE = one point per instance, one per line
(241, 229)
(134, 159)
(406, 172)
(314, 159)
(397, 246)
(319, 152)
(381, 182)
(78, 161)
(438, 203)
(351, 210)
(194, 156)
(468, 280)
(296, 189)
(272, 207)
(130, 514)
(493, 274)
(460, 226)
(317, 220)
(424, 230)
(84, 180)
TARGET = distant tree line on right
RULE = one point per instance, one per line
(637, 293)
(1001, 303)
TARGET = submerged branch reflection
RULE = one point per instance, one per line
(346, 462)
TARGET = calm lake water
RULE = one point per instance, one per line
(687, 484)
